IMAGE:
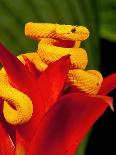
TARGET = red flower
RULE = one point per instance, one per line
(59, 122)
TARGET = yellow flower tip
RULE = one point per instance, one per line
(86, 81)
(17, 108)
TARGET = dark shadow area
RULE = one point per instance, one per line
(103, 137)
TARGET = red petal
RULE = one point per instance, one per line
(108, 84)
(66, 123)
(49, 87)
(51, 82)
(9, 128)
(17, 74)
(6, 145)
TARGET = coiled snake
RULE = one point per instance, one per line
(59, 40)
(55, 41)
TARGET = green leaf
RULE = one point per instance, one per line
(83, 145)
(107, 19)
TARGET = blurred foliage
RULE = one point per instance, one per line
(107, 19)
(14, 15)
(99, 16)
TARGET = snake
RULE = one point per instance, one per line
(55, 41)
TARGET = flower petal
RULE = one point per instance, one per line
(17, 73)
(108, 84)
(51, 82)
(6, 145)
(11, 130)
(49, 87)
(66, 123)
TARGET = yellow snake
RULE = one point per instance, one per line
(55, 41)
(58, 40)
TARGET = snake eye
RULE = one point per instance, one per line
(73, 30)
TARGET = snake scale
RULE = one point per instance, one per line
(55, 41)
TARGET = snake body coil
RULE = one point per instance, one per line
(17, 107)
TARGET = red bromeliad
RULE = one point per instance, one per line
(43, 118)
(58, 123)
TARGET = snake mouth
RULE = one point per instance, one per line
(77, 36)
(64, 43)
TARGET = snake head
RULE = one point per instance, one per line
(69, 32)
